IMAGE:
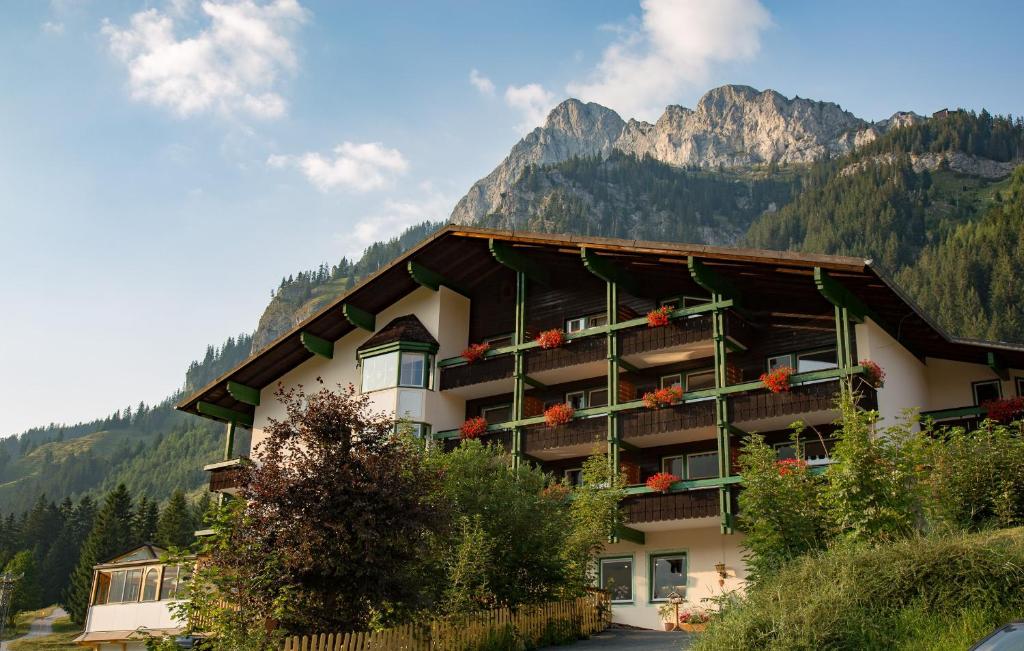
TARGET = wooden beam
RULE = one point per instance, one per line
(627, 446)
(242, 393)
(608, 271)
(430, 279)
(536, 384)
(836, 294)
(710, 280)
(316, 345)
(359, 318)
(622, 532)
(223, 413)
(512, 259)
(997, 366)
(626, 365)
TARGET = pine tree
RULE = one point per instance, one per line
(176, 526)
(112, 533)
(146, 517)
(26, 595)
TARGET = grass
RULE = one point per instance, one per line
(932, 593)
(61, 639)
(23, 620)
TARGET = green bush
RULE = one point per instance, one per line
(919, 593)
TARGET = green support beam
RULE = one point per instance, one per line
(509, 257)
(626, 365)
(317, 345)
(242, 393)
(627, 446)
(997, 366)
(229, 441)
(518, 366)
(609, 272)
(622, 532)
(223, 413)
(359, 318)
(711, 281)
(430, 279)
(536, 384)
(836, 294)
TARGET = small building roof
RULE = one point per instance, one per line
(404, 328)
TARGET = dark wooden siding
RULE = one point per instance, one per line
(576, 432)
(484, 370)
(655, 507)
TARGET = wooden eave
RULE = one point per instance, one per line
(770, 281)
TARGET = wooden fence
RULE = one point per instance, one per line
(533, 626)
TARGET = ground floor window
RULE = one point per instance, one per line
(986, 391)
(574, 476)
(617, 578)
(668, 575)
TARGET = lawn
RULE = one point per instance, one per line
(23, 620)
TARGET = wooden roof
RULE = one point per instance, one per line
(403, 328)
(770, 281)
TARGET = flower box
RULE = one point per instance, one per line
(473, 428)
(659, 317)
(661, 482)
(790, 466)
(777, 381)
(475, 352)
(663, 397)
(873, 373)
(558, 414)
(549, 339)
(693, 628)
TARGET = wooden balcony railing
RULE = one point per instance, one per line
(657, 507)
(757, 405)
(226, 476)
(643, 339)
(677, 418)
(575, 351)
(485, 370)
(579, 431)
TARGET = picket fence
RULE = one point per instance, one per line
(533, 625)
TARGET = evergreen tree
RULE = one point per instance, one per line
(176, 526)
(146, 518)
(26, 595)
(112, 533)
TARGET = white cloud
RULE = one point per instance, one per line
(356, 166)
(533, 101)
(481, 83)
(230, 67)
(673, 47)
(55, 28)
(394, 216)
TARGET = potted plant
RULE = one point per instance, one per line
(692, 620)
(549, 339)
(777, 381)
(475, 352)
(663, 397)
(873, 373)
(559, 414)
(659, 317)
(1004, 410)
(661, 482)
(667, 612)
(789, 466)
(473, 428)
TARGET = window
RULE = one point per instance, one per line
(169, 584)
(116, 588)
(987, 390)
(702, 465)
(675, 465)
(132, 585)
(1020, 387)
(497, 414)
(499, 341)
(820, 360)
(598, 398)
(416, 430)
(576, 399)
(102, 587)
(413, 371)
(617, 578)
(151, 584)
(684, 301)
(574, 476)
(584, 322)
(816, 452)
(776, 361)
(380, 371)
(668, 575)
(674, 380)
(700, 380)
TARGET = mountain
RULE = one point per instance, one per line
(731, 127)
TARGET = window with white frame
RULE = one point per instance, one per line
(818, 360)
(576, 399)
(986, 391)
(702, 465)
(673, 380)
(413, 371)
(583, 322)
(700, 380)
(668, 575)
(616, 577)
(778, 361)
(398, 368)
(816, 452)
(675, 465)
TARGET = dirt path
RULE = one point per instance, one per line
(39, 627)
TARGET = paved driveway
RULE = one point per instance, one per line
(39, 627)
(628, 640)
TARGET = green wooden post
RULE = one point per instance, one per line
(519, 370)
(612, 298)
(229, 441)
(722, 412)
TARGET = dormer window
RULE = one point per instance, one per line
(400, 355)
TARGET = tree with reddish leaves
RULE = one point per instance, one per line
(338, 514)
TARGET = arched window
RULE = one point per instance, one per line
(149, 588)
(169, 585)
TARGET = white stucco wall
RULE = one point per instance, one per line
(444, 313)
(949, 383)
(906, 381)
(131, 616)
(704, 545)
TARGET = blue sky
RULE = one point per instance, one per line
(164, 164)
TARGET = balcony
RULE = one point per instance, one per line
(676, 424)
(226, 476)
(814, 404)
(577, 438)
(650, 508)
(488, 376)
(579, 358)
(680, 340)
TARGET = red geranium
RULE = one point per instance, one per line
(475, 352)
(777, 381)
(661, 481)
(559, 414)
(789, 466)
(659, 317)
(663, 397)
(553, 338)
(473, 428)
(694, 617)
(873, 373)
(1004, 410)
